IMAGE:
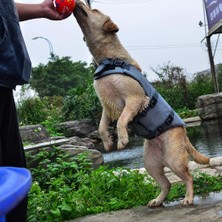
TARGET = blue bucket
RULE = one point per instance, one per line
(14, 186)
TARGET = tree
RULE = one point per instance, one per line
(173, 82)
(59, 75)
(200, 85)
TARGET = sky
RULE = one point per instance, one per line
(154, 32)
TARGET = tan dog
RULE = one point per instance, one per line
(122, 98)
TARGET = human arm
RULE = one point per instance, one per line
(45, 9)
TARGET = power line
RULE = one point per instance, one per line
(122, 2)
(169, 46)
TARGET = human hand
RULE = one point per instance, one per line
(51, 12)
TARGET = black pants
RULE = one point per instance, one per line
(11, 148)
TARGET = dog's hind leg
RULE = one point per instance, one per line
(183, 173)
(178, 163)
(165, 188)
(104, 132)
(154, 165)
(188, 179)
(157, 172)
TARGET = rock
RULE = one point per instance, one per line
(78, 141)
(80, 128)
(67, 146)
(95, 155)
(82, 142)
(95, 136)
(216, 161)
(210, 106)
(34, 133)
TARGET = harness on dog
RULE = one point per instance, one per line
(158, 116)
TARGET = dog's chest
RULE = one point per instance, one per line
(113, 91)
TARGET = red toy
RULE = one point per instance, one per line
(65, 7)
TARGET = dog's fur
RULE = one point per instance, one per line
(123, 98)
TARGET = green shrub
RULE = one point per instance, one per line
(50, 163)
(32, 111)
(186, 113)
(82, 103)
(45, 111)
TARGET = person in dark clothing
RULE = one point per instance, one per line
(15, 69)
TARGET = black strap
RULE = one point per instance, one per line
(109, 64)
(152, 104)
(161, 128)
(116, 62)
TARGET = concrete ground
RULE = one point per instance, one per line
(204, 209)
(199, 212)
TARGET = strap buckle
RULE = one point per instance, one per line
(166, 123)
(153, 100)
(120, 63)
(169, 119)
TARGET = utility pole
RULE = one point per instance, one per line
(212, 65)
(209, 49)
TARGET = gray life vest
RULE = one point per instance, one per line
(158, 116)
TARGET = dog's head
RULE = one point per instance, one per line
(100, 34)
(92, 22)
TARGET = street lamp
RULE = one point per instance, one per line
(52, 55)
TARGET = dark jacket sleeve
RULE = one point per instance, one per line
(15, 64)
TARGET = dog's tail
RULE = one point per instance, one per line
(197, 156)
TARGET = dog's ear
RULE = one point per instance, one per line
(110, 26)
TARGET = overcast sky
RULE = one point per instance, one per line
(153, 31)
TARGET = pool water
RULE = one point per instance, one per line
(206, 138)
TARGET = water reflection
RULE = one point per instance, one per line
(206, 138)
(205, 199)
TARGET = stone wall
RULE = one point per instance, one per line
(210, 106)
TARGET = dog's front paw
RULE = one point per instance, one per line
(187, 201)
(122, 143)
(155, 203)
(108, 145)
